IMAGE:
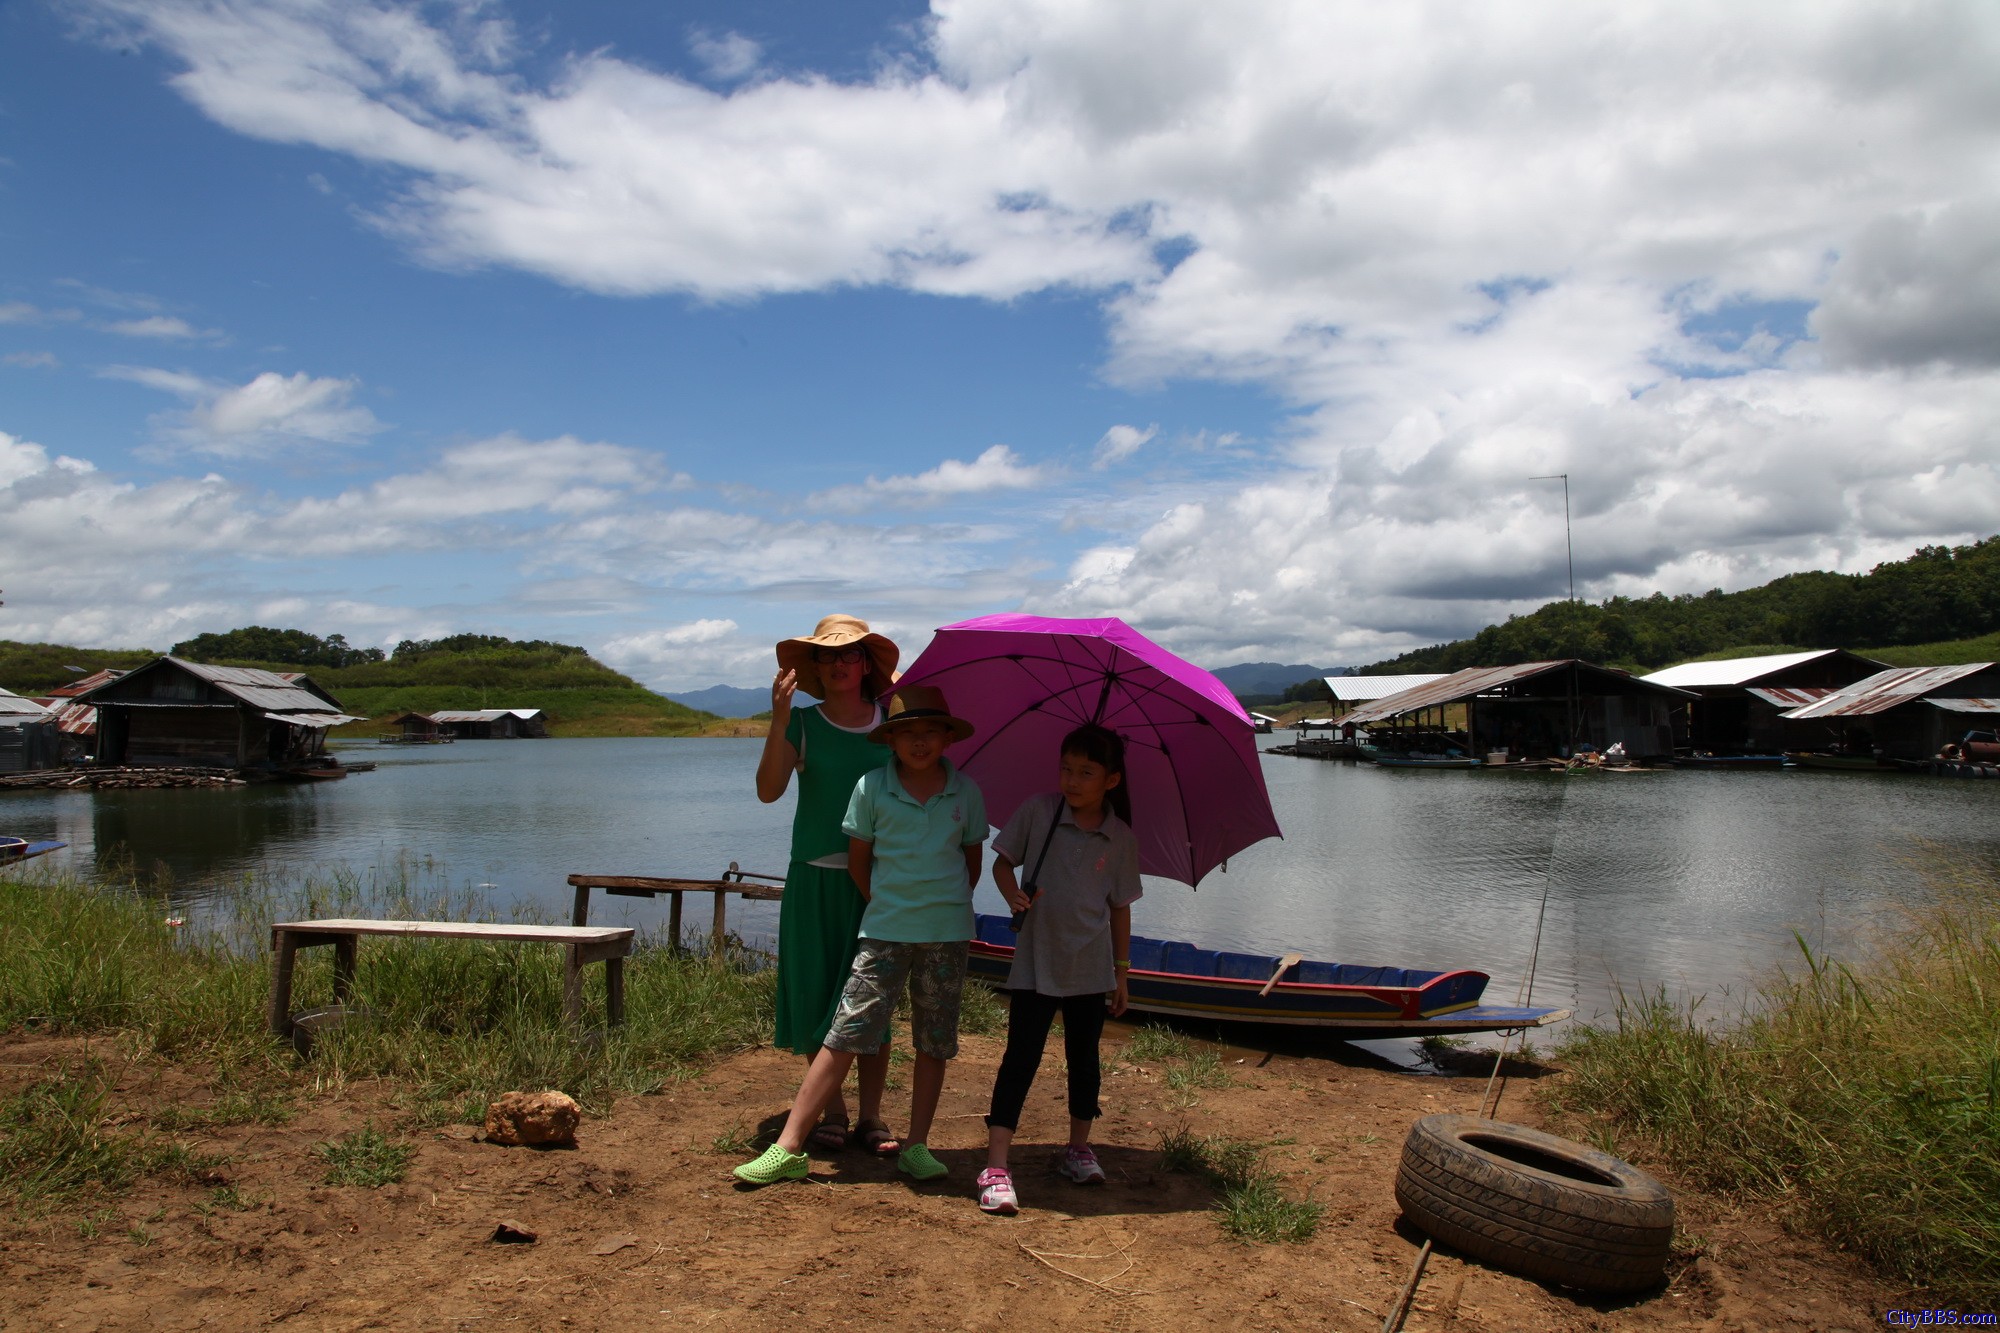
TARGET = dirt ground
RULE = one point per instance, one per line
(641, 1226)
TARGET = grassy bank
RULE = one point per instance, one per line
(1863, 1099)
(453, 1022)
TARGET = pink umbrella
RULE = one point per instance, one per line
(1025, 682)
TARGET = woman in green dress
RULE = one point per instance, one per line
(847, 667)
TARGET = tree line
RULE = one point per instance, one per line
(1937, 593)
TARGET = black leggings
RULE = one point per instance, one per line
(1028, 1019)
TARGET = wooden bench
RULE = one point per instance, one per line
(609, 945)
(647, 886)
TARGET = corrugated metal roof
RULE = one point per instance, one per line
(1734, 671)
(85, 684)
(470, 715)
(1885, 690)
(1791, 696)
(314, 719)
(1967, 705)
(13, 704)
(1474, 681)
(1361, 689)
(76, 719)
(526, 714)
(266, 691)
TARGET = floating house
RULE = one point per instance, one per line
(1903, 713)
(173, 713)
(29, 737)
(1350, 691)
(415, 729)
(493, 724)
(1742, 701)
(1532, 710)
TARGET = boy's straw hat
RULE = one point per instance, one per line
(921, 703)
(838, 631)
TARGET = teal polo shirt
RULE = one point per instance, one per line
(918, 889)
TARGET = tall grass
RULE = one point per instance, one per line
(1866, 1098)
(452, 1022)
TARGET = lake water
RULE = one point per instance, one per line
(1691, 880)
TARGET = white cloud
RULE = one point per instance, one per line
(729, 57)
(998, 468)
(167, 328)
(31, 360)
(1120, 443)
(1468, 244)
(20, 312)
(270, 412)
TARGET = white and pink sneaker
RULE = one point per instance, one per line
(996, 1192)
(1080, 1165)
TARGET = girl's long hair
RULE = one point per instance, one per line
(1106, 749)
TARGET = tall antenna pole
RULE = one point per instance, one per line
(1568, 547)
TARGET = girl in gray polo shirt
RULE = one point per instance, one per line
(1074, 947)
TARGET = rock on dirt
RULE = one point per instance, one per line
(533, 1119)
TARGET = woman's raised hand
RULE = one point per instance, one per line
(783, 686)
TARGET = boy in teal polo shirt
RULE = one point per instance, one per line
(915, 829)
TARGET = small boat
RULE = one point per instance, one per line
(1351, 1001)
(1730, 761)
(1416, 758)
(20, 849)
(1851, 763)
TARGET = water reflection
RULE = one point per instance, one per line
(1693, 880)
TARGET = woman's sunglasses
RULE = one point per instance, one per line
(828, 656)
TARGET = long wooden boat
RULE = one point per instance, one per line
(1417, 759)
(1730, 761)
(1847, 763)
(20, 849)
(1349, 1000)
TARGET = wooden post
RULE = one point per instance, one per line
(614, 991)
(721, 920)
(580, 914)
(343, 967)
(279, 1012)
(573, 984)
(674, 922)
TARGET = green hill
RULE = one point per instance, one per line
(1931, 608)
(581, 695)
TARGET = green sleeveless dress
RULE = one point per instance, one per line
(819, 919)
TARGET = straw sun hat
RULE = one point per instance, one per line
(920, 703)
(838, 631)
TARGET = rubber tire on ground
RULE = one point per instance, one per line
(1596, 1223)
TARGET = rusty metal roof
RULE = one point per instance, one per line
(1475, 681)
(1966, 705)
(1886, 689)
(1790, 696)
(266, 691)
(469, 715)
(74, 719)
(85, 684)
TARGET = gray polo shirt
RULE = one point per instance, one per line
(1065, 944)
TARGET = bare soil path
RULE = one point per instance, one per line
(641, 1226)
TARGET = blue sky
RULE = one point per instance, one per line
(667, 329)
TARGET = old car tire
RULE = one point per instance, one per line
(1535, 1204)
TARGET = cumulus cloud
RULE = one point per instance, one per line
(1120, 443)
(998, 468)
(697, 652)
(270, 412)
(1467, 245)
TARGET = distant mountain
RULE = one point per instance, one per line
(727, 700)
(1268, 678)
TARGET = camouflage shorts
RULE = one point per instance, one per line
(935, 974)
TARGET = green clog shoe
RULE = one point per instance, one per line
(916, 1162)
(774, 1165)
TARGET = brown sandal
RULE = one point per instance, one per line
(878, 1138)
(830, 1134)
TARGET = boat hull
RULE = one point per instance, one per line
(1386, 1002)
(1841, 763)
(20, 849)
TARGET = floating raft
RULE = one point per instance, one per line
(1353, 1001)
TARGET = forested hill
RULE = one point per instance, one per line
(1940, 593)
(582, 696)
